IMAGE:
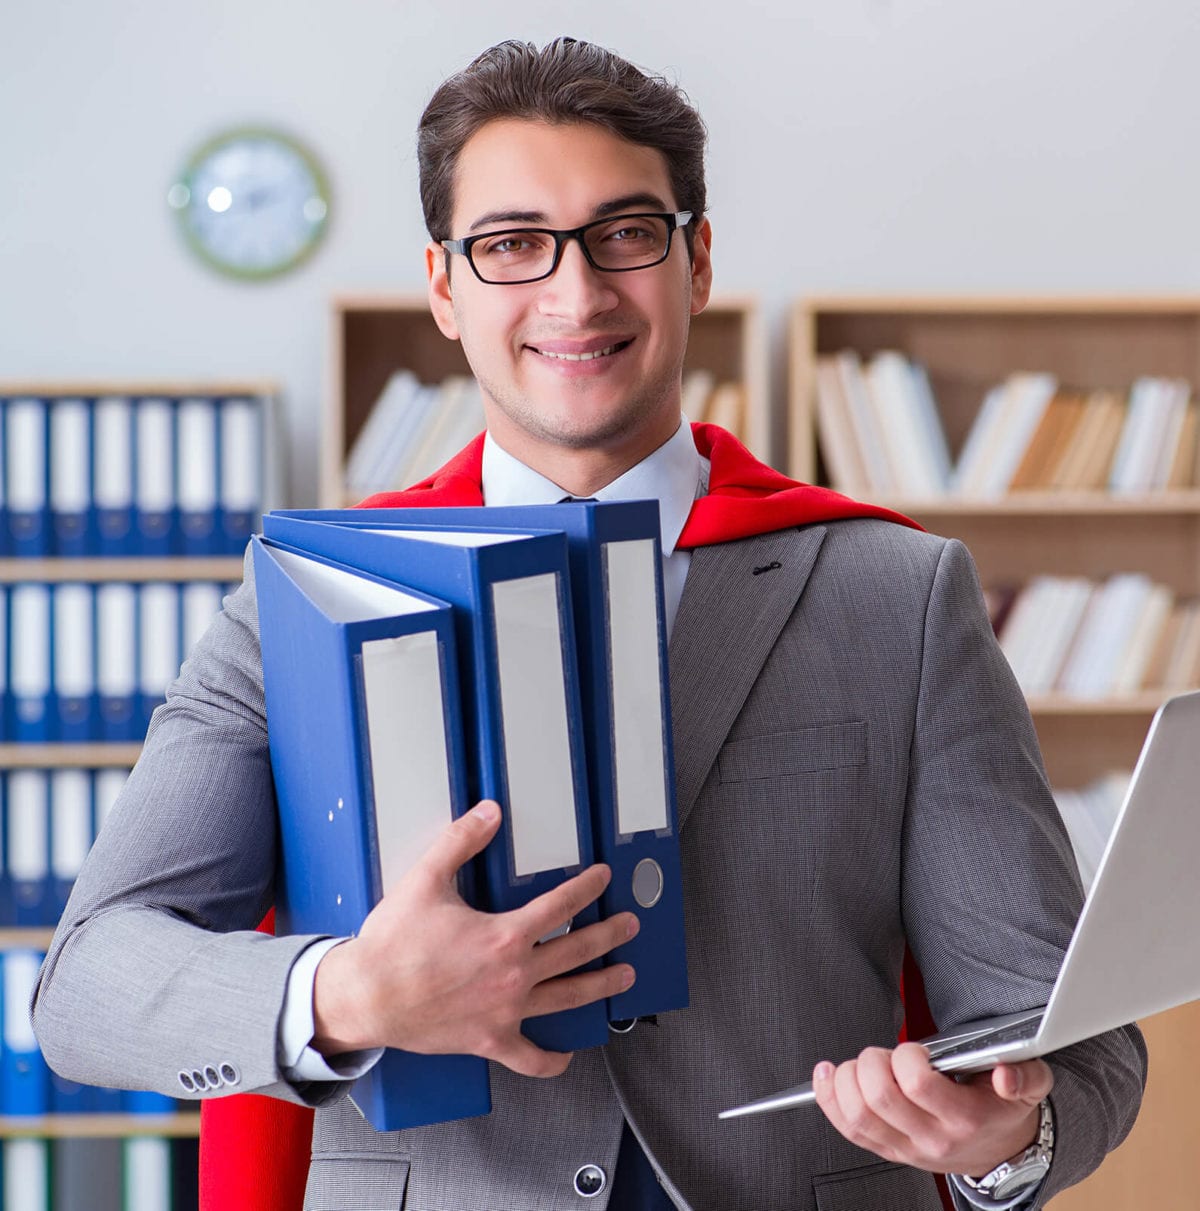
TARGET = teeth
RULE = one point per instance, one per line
(579, 357)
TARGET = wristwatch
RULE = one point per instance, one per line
(1013, 1177)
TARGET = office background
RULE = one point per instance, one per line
(891, 145)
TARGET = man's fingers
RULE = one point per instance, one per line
(1028, 1083)
(554, 908)
(527, 1059)
(460, 841)
(569, 992)
(572, 950)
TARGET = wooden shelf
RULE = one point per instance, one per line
(99, 1126)
(179, 568)
(1070, 504)
(19, 937)
(97, 755)
(374, 335)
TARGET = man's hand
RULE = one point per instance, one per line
(427, 973)
(895, 1104)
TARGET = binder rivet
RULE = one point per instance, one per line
(341, 804)
(331, 817)
(339, 897)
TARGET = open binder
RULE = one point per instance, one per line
(365, 736)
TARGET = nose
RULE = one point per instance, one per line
(575, 291)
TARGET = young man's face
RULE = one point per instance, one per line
(624, 404)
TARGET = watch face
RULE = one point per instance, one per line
(252, 203)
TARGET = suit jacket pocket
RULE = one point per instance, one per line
(805, 751)
(361, 1182)
(879, 1187)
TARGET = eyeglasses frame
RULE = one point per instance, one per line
(675, 221)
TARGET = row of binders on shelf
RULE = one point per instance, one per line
(28, 1087)
(141, 1173)
(436, 657)
(1090, 814)
(881, 433)
(90, 661)
(712, 401)
(1093, 640)
(134, 475)
(49, 818)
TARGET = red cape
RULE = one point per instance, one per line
(254, 1151)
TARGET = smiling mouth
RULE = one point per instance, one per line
(582, 357)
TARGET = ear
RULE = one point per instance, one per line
(441, 304)
(701, 267)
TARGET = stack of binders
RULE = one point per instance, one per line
(416, 661)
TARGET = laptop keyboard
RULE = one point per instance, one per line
(1018, 1032)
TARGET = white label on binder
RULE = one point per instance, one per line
(241, 456)
(28, 825)
(196, 443)
(112, 438)
(410, 775)
(26, 1174)
(74, 670)
(537, 741)
(69, 454)
(30, 665)
(639, 757)
(3, 636)
(116, 646)
(70, 821)
(201, 604)
(25, 446)
(159, 638)
(148, 1173)
(155, 456)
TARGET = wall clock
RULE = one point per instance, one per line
(252, 203)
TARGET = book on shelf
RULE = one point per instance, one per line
(1089, 813)
(881, 434)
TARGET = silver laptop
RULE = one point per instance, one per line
(1134, 951)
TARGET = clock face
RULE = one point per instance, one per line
(252, 203)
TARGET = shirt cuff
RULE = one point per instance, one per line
(1018, 1202)
(298, 1059)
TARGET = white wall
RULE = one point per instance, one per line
(906, 145)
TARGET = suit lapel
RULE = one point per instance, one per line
(729, 618)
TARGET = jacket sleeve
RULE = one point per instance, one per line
(991, 889)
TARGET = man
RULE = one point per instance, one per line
(856, 771)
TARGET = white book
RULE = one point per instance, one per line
(29, 660)
(835, 430)
(1178, 394)
(1104, 636)
(1144, 634)
(155, 458)
(698, 386)
(981, 441)
(865, 424)
(1018, 635)
(365, 463)
(915, 465)
(1028, 397)
(1065, 608)
(240, 455)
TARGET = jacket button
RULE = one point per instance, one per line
(230, 1074)
(213, 1077)
(198, 1079)
(590, 1180)
(186, 1081)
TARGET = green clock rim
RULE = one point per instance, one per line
(232, 135)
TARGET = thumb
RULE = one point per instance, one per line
(1027, 1083)
(460, 841)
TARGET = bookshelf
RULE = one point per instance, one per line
(373, 335)
(235, 468)
(967, 345)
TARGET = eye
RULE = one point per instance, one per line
(627, 232)
(510, 244)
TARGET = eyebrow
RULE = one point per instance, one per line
(629, 201)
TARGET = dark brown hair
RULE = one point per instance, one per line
(567, 81)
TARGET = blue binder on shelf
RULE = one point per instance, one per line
(27, 847)
(29, 663)
(71, 508)
(196, 475)
(156, 507)
(620, 629)
(112, 475)
(27, 476)
(354, 669)
(241, 466)
(118, 706)
(511, 593)
(71, 831)
(74, 663)
(159, 657)
(24, 1076)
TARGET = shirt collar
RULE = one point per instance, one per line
(674, 475)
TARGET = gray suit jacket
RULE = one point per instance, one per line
(856, 768)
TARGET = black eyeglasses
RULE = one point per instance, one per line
(529, 254)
